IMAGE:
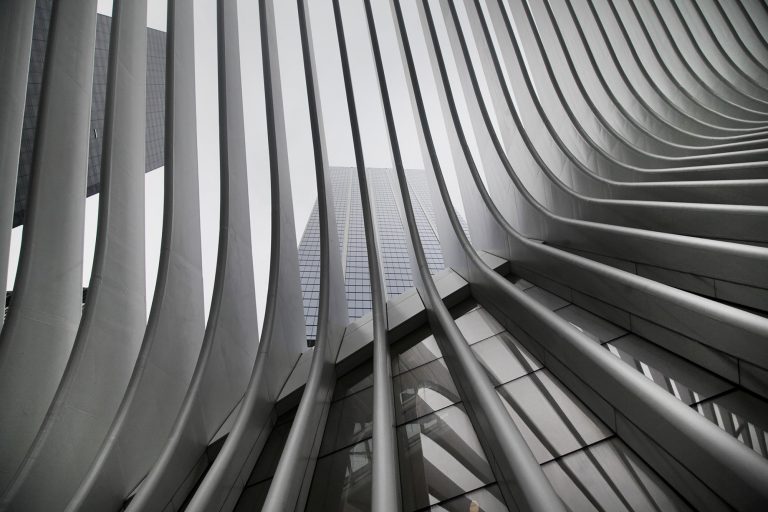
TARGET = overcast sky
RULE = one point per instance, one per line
(337, 132)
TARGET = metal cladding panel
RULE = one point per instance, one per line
(598, 339)
(45, 311)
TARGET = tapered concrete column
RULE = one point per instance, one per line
(231, 336)
(16, 22)
(293, 476)
(114, 318)
(40, 330)
(174, 333)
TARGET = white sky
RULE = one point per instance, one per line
(376, 149)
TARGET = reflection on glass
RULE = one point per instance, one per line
(478, 325)
(354, 381)
(342, 480)
(687, 382)
(504, 358)
(408, 356)
(742, 415)
(423, 390)
(487, 499)
(349, 421)
(440, 458)
(270, 455)
(552, 420)
(253, 497)
(609, 476)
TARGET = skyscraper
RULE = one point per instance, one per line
(391, 229)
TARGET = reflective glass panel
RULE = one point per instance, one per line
(609, 476)
(354, 381)
(440, 458)
(504, 358)
(342, 480)
(406, 357)
(423, 390)
(478, 325)
(349, 421)
(270, 455)
(686, 381)
(487, 499)
(253, 497)
(550, 418)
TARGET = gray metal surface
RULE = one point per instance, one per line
(522, 483)
(16, 19)
(174, 332)
(155, 104)
(45, 312)
(751, 468)
(385, 494)
(598, 340)
(230, 343)
(290, 485)
(114, 316)
(283, 337)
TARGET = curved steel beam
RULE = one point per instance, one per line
(230, 342)
(709, 453)
(522, 482)
(385, 477)
(290, 485)
(114, 317)
(630, 292)
(16, 21)
(283, 337)
(532, 219)
(176, 322)
(48, 293)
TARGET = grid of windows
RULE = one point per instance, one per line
(155, 133)
(391, 231)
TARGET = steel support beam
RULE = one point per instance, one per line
(45, 313)
(114, 317)
(230, 343)
(16, 22)
(174, 331)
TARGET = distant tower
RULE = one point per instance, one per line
(391, 230)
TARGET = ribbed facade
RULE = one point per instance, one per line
(588, 331)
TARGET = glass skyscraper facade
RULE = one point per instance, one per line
(390, 228)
